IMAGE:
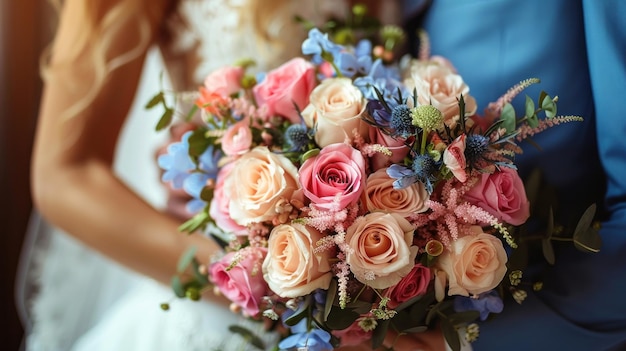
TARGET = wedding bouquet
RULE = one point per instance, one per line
(357, 194)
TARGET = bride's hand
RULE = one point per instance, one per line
(431, 340)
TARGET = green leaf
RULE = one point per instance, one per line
(300, 313)
(166, 119)
(191, 113)
(508, 118)
(309, 154)
(177, 286)
(359, 306)
(451, 335)
(463, 317)
(339, 318)
(586, 237)
(378, 336)
(198, 143)
(155, 100)
(201, 278)
(529, 107)
(331, 294)
(546, 242)
(185, 260)
(548, 105)
(248, 335)
(196, 222)
(532, 185)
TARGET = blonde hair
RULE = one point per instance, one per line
(94, 37)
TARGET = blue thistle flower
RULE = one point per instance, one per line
(297, 136)
(402, 121)
(475, 146)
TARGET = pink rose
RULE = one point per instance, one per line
(383, 252)
(353, 335)
(291, 268)
(220, 202)
(224, 81)
(502, 194)
(237, 139)
(454, 158)
(335, 111)
(397, 146)
(288, 85)
(380, 195)
(439, 85)
(474, 264)
(414, 284)
(334, 177)
(259, 184)
(242, 283)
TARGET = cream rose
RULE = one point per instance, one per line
(439, 85)
(380, 195)
(382, 249)
(474, 264)
(335, 110)
(291, 268)
(259, 182)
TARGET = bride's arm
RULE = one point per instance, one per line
(73, 183)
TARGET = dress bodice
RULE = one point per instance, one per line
(207, 34)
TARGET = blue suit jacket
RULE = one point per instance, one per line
(578, 50)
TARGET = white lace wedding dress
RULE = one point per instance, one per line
(71, 297)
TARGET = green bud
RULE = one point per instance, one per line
(427, 117)
(248, 81)
(165, 306)
(192, 294)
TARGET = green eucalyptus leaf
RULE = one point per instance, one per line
(529, 107)
(185, 260)
(586, 237)
(418, 329)
(508, 118)
(359, 306)
(548, 106)
(177, 286)
(300, 313)
(155, 100)
(248, 335)
(532, 185)
(166, 119)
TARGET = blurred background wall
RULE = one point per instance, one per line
(26, 27)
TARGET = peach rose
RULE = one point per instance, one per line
(380, 195)
(474, 264)
(439, 85)
(335, 111)
(502, 194)
(237, 139)
(285, 88)
(454, 158)
(291, 268)
(258, 184)
(382, 249)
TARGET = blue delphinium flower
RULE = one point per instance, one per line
(313, 340)
(196, 181)
(486, 303)
(318, 45)
(176, 162)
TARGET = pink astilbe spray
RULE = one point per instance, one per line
(526, 131)
(494, 109)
